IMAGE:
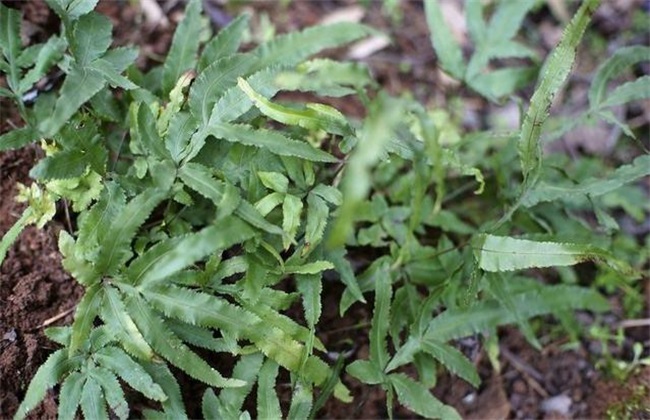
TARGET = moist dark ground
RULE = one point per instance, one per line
(35, 290)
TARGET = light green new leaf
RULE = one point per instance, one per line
(185, 46)
(211, 84)
(10, 43)
(234, 102)
(18, 138)
(310, 287)
(271, 140)
(268, 404)
(91, 38)
(325, 77)
(267, 203)
(47, 375)
(308, 268)
(452, 359)
(317, 215)
(170, 347)
(143, 130)
(381, 317)
(181, 128)
(312, 117)
(557, 69)
(417, 398)
(291, 211)
(294, 47)
(447, 48)
(226, 42)
(12, 234)
(274, 181)
(620, 60)
(199, 178)
(114, 314)
(70, 395)
(502, 253)
(366, 371)
(591, 187)
(116, 246)
(631, 91)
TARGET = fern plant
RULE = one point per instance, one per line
(199, 198)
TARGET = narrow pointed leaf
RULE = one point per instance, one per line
(502, 253)
(619, 61)
(268, 405)
(185, 46)
(453, 360)
(557, 69)
(225, 43)
(113, 392)
(270, 140)
(70, 395)
(47, 375)
(631, 91)
(92, 401)
(87, 311)
(91, 38)
(446, 47)
(380, 317)
(18, 138)
(417, 398)
(169, 346)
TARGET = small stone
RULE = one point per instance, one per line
(559, 404)
(10, 335)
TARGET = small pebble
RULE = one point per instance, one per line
(559, 404)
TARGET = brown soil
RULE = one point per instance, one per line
(35, 290)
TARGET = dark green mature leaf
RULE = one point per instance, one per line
(452, 359)
(18, 138)
(112, 391)
(487, 315)
(185, 46)
(163, 261)
(301, 401)
(47, 375)
(91, 38)
(81, 84)
(169, 346)
(210, 85)
(226, 42)
(70, 395)
(380, 317)
(271, 140)
(92, 400)
(247, 369)
(143, 131)
(211, 407)
(10, 43)
(631, 91)
(114, 314)
(446, 47)
(557, 69)
(292, 48)
(620, 60)
(72, 9)
(317, 215)
(130, 371)
(418, 398)
(502, 253)
(173, 406)
(68, 164)
(591, 187)
(116, 247)
(181, 128)
(87, 311)
(268, 404)
(48, 55)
